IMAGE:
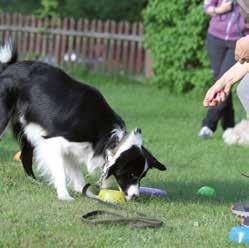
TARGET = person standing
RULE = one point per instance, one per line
(226, 26)
(218, 93)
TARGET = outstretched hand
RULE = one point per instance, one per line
(217, 94)
(221, 89)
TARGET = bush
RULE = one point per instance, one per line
(175, 33)
(102, 9)
(48, 8)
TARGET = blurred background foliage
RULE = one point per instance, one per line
(129, 10)
(175, 34)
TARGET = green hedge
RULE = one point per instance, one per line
(175, 33)
(130, 10)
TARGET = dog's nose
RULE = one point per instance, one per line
(131, 197)
(138, 130)
(134, 196)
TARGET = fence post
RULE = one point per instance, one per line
(44, 38)
(132, 50)
(85, 41)
(98, 48)
(38, 37)
(140, 58)
(15, 23)
(111, 48)
(32, 36)
(118, 47)
(57, 50)
(105, 51)
(92, 42)
(2, 23)
(125, 46)
(78, 42)
(64, 41)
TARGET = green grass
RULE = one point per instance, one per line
(31, 215)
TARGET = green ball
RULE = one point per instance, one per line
(207, 191)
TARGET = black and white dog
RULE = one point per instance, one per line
(64, 123)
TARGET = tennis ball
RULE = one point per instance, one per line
(112, 196)
(207, 191)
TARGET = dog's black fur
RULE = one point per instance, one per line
(47, 96)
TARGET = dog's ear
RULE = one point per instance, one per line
(152, 161)
(108, 142)
(116, 136)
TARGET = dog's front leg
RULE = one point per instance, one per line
(74, 174)
(51, 161)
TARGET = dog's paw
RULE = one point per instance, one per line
(78, 188)
(65, 198)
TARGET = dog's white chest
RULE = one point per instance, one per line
(79, 152)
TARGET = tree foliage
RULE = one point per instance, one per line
(21, 6)
(129, 10)
(48, 8)
(175, 34)
(105, 9)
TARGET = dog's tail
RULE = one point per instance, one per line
(8, 55)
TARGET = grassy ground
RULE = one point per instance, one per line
(31, 216)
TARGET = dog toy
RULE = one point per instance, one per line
(115, 196)
(207, 191)
(152, 192)
(112, 196)
(17, 156)
(239, 234)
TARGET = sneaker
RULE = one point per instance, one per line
(240, 209)
(244, 221)
(205, 133)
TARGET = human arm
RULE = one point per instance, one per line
(221, 89)
(242, 49)
(211, 8)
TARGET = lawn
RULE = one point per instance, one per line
(31, 215)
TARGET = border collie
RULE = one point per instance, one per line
(63, 124)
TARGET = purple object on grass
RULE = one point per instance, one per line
(152, 192)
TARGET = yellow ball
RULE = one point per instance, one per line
(112, 196)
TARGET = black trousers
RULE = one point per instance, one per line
(221, 55)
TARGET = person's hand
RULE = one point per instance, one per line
(242, 50)
(224, 7)
(211, 11)
(217, 94)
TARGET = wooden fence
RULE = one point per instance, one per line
(102, 46)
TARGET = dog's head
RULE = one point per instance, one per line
(130, 163)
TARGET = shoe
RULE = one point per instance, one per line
(244, 221)
(240, 209)
(205, 133)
